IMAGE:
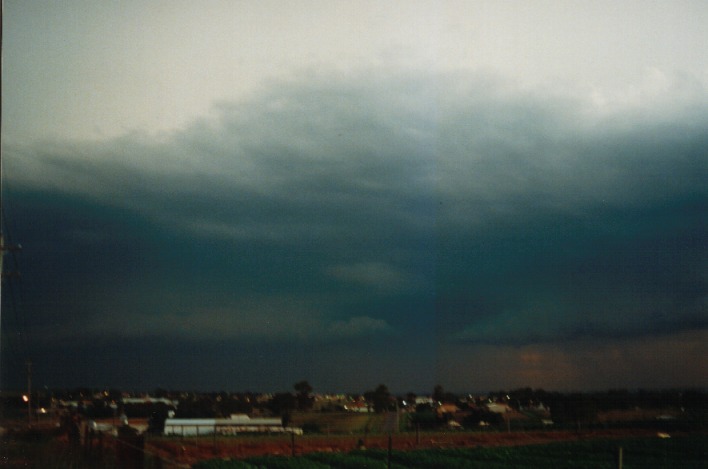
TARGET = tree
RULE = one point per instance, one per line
(282, 403)
(478, 415)
(425, 419)
(235, 405)
(303, 387)
(574, 408)
(410, 400)
(304, 399)
(438, 393)
(380, 398)
(197, 407)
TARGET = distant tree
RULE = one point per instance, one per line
(438, 393)
(282, 403)
(424, 419)
(303, 387)
(575, 408)
(522, 397)
(449, 397)
(478, 415)
(235, 405)
(695, 400)
(380, 398)
(369, 398)
(615, 399)
(201, 407)
(424, 407)
(304, 398)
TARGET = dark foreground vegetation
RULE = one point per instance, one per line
(686, 452)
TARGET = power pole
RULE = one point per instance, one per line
(29, 393)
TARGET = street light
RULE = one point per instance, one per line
(26, 398)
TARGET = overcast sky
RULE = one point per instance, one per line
(241, 195)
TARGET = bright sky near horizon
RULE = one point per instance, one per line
(83, 69)
(477, 194)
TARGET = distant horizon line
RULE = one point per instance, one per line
(150, 393)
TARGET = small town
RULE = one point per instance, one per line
(98, 428)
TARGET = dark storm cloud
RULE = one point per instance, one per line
(361, 206)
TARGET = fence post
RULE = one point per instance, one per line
(619, 458)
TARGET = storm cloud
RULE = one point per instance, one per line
(433, 211)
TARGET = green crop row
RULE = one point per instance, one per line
(685, 452)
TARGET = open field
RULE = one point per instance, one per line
(686, 451)
(596, 449)
(193, 450)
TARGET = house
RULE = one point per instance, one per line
(447, 408)
(498, 407)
